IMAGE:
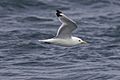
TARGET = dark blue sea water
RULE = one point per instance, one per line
(24, 22)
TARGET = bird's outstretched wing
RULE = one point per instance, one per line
(67, 26)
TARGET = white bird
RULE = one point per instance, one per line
(64, 37)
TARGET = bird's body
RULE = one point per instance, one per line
(64, 34)
(62, 42)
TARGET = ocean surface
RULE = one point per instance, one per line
(24, 22)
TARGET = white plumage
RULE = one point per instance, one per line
(64, 34)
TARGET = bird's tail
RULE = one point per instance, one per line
(44, 41)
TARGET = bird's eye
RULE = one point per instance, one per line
(79, 40)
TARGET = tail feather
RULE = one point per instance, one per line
(44, 41)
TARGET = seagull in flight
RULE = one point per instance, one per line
(64, 34)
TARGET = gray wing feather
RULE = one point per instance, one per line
(68, 25)
(65, 30)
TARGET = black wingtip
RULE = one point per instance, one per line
(58, 13)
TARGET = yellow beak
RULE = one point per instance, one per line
(83, 42)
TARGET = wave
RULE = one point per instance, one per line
(14, 5)
(32, 19)
(22, 4)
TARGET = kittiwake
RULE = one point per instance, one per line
(64, 34)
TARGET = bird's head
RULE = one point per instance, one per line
(79, 41)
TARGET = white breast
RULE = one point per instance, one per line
(62, 42)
